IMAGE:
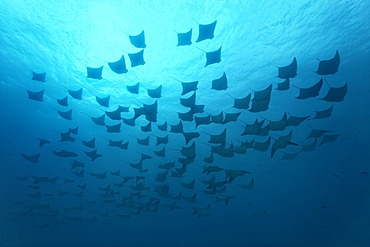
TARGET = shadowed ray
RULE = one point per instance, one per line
(282, 86)
(329, 138)
(231, 117)
(76, 94)
(329, 67)
(184, 38)
(189, 136)
(64, 153)
(119, 66)
(94, 73)
(310, 92)
(289, 71)
(206, 31)
(36, 95)
(220, 83)
(38, 76)
(324, 113)
(206, 120)
(137, 58)
(155, 93)
(103, 101)
(262, 146)
(134, 89)
(336, 94)
(188, 102)
(138, 40)
(146, 128)
(116, 128)
(63, 101)
(213, 57)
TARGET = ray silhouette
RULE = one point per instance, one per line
(219, 118)
(248, 186)
(138, 40)
(197, 108)
(90, 143)
(38, 76)
(213, 57)
(209, 159)
(93, 155)
(206, 31)
(116, 114)
(260, 106)
(162, 140)
(146, 128)
(289, 71)
(190, 185)
(103, 101)
(63, 101)
(189, 151)
(295, 121)
(289, 156)
(134, 89)
(76, 94)
(65, 114)
(262, 94)
(278, 125)
(120, 144)
(116, 128)
(310, 92)
(129, 121)
(137, 58)
(242, 103)
(186, 116)
(66, 137)
(34, 158)
(184, 38)
(285, 85)
(94, 73)
(262, 146)
(336, 94)
(329, 138)
(36, 95)
(309, 147)
(118, 67)
(282, 142)
(64, 153)
(73, 130)
(255, 128)
(324, 113)
(189, 136)
(329, 67)
(150, 111)
(316, 133)
(220, 83)
(225, 152)
(205, 120)
(177, 128)
(162, 127)
(76, 164)
(218, 139)
(161, 152)
(190, 101)
(144, 141)
(241, 149)
(97, 120)
(43, 142)
(231, 117)
(155, 93)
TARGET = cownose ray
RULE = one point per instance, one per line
(147, 127)
(336, 94)
(330, 66)
(94, 73)
(190, 101)
(231, 117)
(120, 144)
(138, 40)
(241, 103)
(323, 113)
(206, 31)
(209, 169)
(116, 114)
(316, 133)
(189, 151)
(242, 148)
(295, 120)
(329, 138)
(119, 66)
(247, 186)
(63, 101)
(65, 114)
(213, 57)
(190, 135)
(155, 93)
(310, 92)
(115, 128)
(309, 147)
(36, 95)
(282, 142)
(190, 185)
(223, 151)
(34, 158)
(289, 71)
(137, 58)
(43, 142)
(284, 85)
(97, 120)
(162, 127)
(262, 146)
(220, 83)
(279, 124)
(129, 121)
(187, 86)
(64, 153)
(38, 76)
(161, 152)
(150, 111)
(184, 38)
(134, 89)
(289, 156)
(255, 128)
(260, 106)
(103, 101)
(186, 116)
(217, 138)
(263, 94)
(143, 141)
(218, 119)
(93, 155)
(203, 120)
(90, 143)
(162, 140)
(76, 94)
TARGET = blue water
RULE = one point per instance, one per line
(319, 198)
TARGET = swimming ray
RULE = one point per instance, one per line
(310, 92)
(213, 57)
(189, 136)
(94, 73)
(336, 94)
(324, 113)
(255, 128)
(189, 151)
(285, 85)
(219, 119)
(316, 133)
(114, 115)
(66, 136)
(263, 94)
(162, 140)
(184, 38)
(150, 111)
(226, 152)
(231, 174)
(63, 101)
(97, 120)
(262, 146)
(189, 87)
(65, 114)
(161, 152)
(76, 94)
(289, 71)
(190, 185)
(177, 128)
(118, 144)
(289, 156)
(93, 155)
(34, 158)
(138, 40)
(103, 101)
(218, 139)
(38, 76)
(119, 66)
(64, 153)
(36, 95)
(282, 142)
(209, 159)
(162, 127)
(278, 125)
(137, 58)
(206, 120)
(146, 128)
(242, 148)
(220, 83)
(231, 117)
(260, 106)
(43, 142)
(248, 186)
(134, 89)
(90, 143)
(309, 147)
(329, 138)
(116, 128)
(329, 67)
(206, 31)
(155, 93)
(186, 116)
(188, 102)
(76, 164)
(197, 108)
(144, 141)
(295, 121)
(242, 103)
(129, 121)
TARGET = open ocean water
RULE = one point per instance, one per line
(184, 123)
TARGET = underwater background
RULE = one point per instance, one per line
(284, 166)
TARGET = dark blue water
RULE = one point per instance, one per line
(313, 191)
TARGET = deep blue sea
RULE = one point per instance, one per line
(184, 123)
